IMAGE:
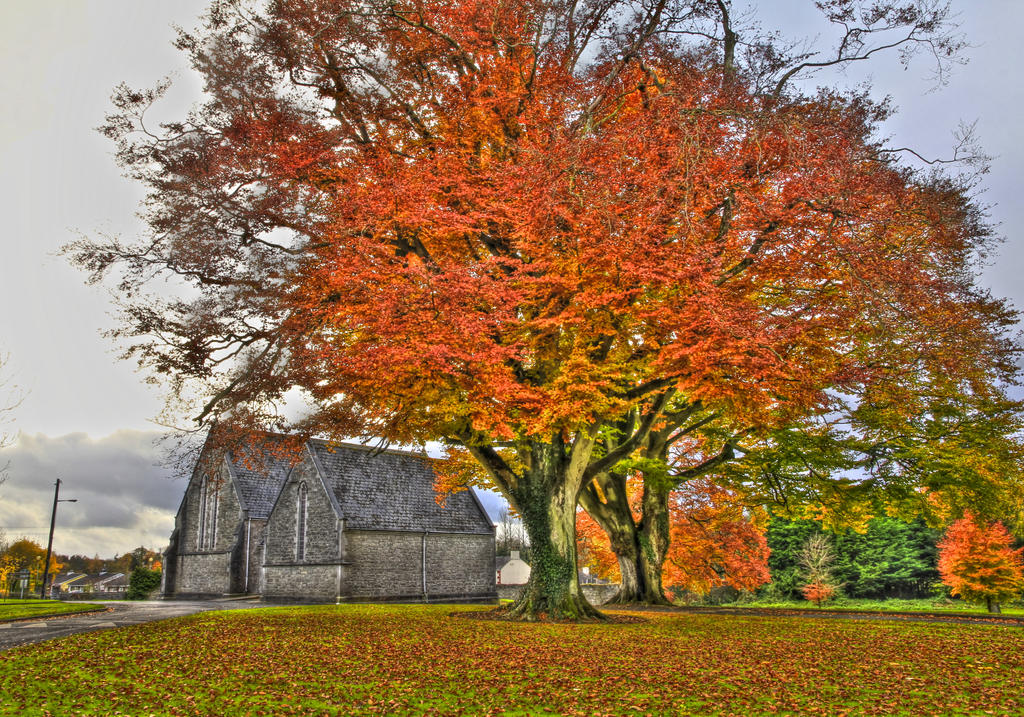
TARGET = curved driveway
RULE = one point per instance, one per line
(121, 614)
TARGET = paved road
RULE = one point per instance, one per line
(13, 634)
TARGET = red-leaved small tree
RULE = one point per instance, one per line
(978, 562)
(818, 592)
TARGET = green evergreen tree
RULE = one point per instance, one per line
(891, 559)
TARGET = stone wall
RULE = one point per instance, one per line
(221, 525)
(595, 594)
(600, 594)
(460, 564)
(203, 573)
(383, 564)
(251, 573)
(169, 575)
(302, 583)
(229, 513)
(321, 543)
(389, 564)
(188, 515)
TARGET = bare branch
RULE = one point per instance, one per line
(10, 399)
(922, 25)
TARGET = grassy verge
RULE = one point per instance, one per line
(390, 659)
(19, 609)
(951, 606)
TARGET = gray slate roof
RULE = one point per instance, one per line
(259, 481)
(393, 490)
(107, 581)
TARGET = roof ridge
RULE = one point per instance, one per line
(349, 444)
(328, 443)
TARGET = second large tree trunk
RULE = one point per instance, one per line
(653, 536)
(638, 547)
(640, 569)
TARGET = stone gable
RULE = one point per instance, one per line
(321, 522)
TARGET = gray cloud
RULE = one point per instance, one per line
(124, 498)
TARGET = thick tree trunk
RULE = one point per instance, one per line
(640, 568)
(993, 606)
(629, 581)
(641, 577)
(653, 536)
(547, 503)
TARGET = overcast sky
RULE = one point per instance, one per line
(86, 416)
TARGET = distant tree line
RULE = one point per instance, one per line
(24, 554)
(890, 559)
(125, 563)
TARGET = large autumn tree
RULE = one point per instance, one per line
(540, 231)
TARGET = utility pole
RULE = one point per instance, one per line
(49, 544)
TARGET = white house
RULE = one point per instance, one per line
(512, 571)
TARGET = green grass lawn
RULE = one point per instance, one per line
(14, 609)
(377, 659)
(892, 605)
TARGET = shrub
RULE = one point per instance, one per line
(142, 582)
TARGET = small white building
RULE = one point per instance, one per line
(512, 571)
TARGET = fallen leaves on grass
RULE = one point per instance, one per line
(503, 614)
(419, 660)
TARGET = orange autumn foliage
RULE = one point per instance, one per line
(977, 561)
(818, 592)
(28, 554)
(488, 237)
(593, 548)
(715, 541)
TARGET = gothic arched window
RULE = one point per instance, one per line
(212, 527)
(201, 532)
(300, 523)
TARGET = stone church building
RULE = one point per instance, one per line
(341, 522)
